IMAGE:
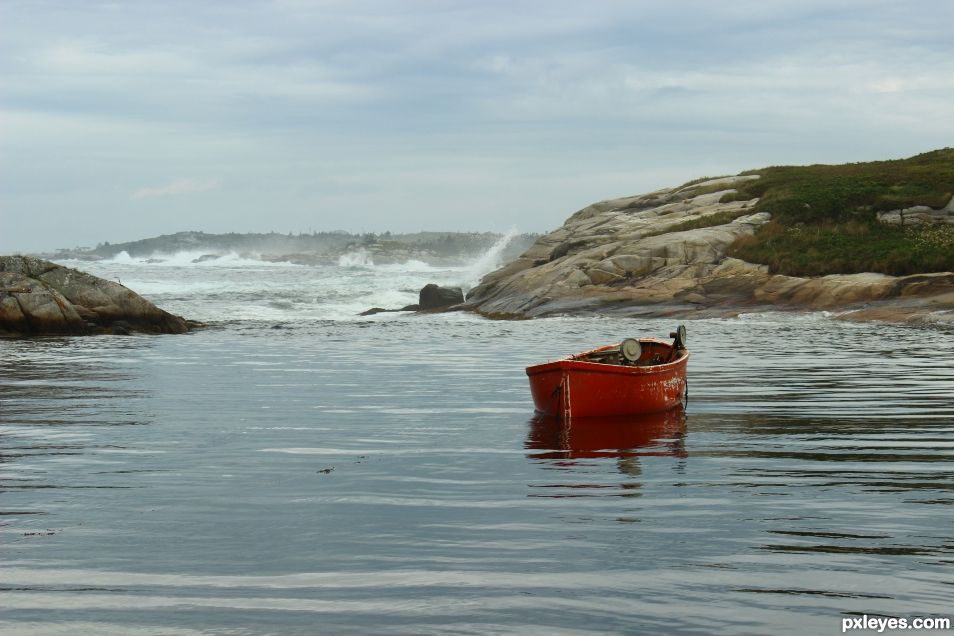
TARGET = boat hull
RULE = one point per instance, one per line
(578, 388)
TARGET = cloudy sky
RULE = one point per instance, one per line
(123, 120)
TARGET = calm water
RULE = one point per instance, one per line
(294, 469)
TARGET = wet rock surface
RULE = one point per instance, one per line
(431, 298)
(434, 296)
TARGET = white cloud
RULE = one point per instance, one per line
(179, 186)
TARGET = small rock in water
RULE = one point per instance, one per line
(434, 296)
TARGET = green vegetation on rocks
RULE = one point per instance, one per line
(824, 218)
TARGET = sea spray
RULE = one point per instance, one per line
(488, 261)
(358, 258)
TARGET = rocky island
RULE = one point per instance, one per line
(38, 297)
(870, 241)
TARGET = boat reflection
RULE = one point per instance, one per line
(654, 434)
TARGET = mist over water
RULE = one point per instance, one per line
(298, 469)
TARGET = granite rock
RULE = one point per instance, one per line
(666, 254)
(38, 297)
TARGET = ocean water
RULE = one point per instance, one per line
(297, 469)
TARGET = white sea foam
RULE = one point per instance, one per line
(231, 286)
(358, 258)
(196, 258)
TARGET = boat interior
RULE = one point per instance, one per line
(645, 352)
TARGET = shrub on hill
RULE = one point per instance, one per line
(824, 218)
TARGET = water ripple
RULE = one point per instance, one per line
(389, 477)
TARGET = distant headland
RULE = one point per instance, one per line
(864, 240)
(313, 248)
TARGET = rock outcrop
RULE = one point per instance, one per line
(434, 296)
(431, 298)
(919, 215)
(665, 254)
(38, 297)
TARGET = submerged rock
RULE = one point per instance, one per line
(38, 297)
(375, 310)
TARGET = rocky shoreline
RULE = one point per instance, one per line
(662, 254)
(665, 254)
(40, 298)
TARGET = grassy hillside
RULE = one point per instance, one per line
(824, 217)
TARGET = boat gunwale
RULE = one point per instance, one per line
(573, 363)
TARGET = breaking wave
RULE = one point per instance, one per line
(226, 286)
(489, 260)
(359, 258)
(190, 258)
(465, 276)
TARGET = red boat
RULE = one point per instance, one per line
(636, 376)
